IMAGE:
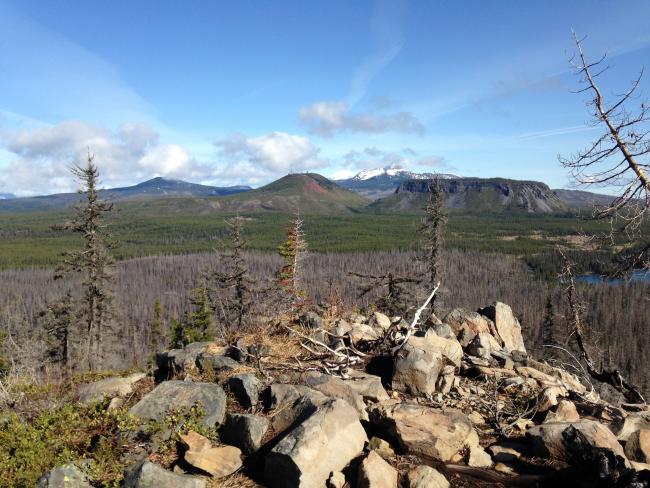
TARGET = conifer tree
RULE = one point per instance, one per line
(59, 323)
(94, 260)
(234, 285)
(549, 331)
(432, 228)
(293, 250)
(198, 325)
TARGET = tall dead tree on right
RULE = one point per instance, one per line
(432, 228)
(618, 158)
(612, 377)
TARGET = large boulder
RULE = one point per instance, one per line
(291, 403)
(323, 443)
(632, 423)
(637, 446)
(246, 388)
(417, 366)
(506, 324)
(449, 347)
(66, 476)
(335, 387)
(547, 440)
(149, 475)
(174, 394)
(426, 431)
(466, 325)
(367, 385)
(108, 388)
(245, 431)
(374, 472)
(426, 477)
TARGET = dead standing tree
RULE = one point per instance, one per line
(618, 158)
(94, 261)
(397, 299)
(612, 377)
(433, 225)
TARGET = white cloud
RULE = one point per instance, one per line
(327, 118)
(255, 160)
(39, 157)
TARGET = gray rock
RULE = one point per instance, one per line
(323, 443)
(480, 346)
(506, 324)
(175, 361)
(547, 440)
(374, 472)
(426, 477)
(444, 330)
(425, 431)
(207, 361)
(108, 388)
(335, 387)
(466, 325)
(149, 475)
(66, 476)
(290, 403)
(416, 367)
(246, 388)
(182, 394)
(244, 431)
(380, 321)
(239, 351)
(367, 385)
(637, 446)
(632, 423)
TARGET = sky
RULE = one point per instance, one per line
(230, 93)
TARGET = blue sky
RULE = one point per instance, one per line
(244, 92)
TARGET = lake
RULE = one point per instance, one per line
(637, 276)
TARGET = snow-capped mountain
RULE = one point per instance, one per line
(397, 173)
(381, 182)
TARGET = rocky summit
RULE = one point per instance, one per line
(372, 402)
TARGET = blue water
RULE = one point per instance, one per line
(637, 276)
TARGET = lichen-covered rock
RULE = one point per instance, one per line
(176, 394)
(66, 476)
(323, 443)
(374, 472)
(146, 474)
(108, 388)
(425, 431)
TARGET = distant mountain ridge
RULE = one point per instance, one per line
(476, 195)
(382, 182)
(154, 188)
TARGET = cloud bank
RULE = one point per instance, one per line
(329, 118)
